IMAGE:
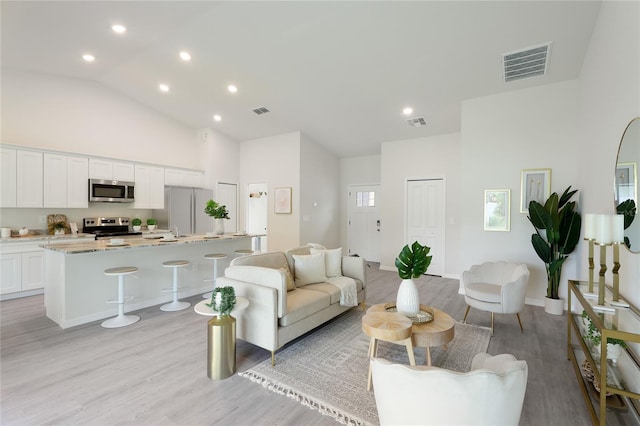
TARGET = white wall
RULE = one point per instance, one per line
(353, 171)
(319, 201)
(275, 160)
(609, 98)
(432, 157)
(501, 135)
(73, 115)
(221, 156)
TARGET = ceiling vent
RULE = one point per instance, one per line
(260, 110)
(416, 122)
(530, 62)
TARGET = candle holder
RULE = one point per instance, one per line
(591, 267)
(603, 269)
(616, 283)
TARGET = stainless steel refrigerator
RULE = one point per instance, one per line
(184, 208)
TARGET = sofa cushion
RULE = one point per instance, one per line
(332, 261)
(301, 303)
(332, 290)
(275, 260)
(291, 285)
(309, 269)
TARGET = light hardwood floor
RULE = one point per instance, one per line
(154, 372)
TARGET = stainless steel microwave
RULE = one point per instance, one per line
(111, 191)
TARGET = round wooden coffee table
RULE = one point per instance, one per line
(438, 332)
(390, 327)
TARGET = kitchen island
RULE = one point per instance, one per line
(77, 290)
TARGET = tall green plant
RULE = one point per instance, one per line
(557, 226)
(413, 261)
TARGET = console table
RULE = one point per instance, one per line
(615, 378)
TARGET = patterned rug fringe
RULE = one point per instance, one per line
(314, 404)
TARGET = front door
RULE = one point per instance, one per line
(426, 219)
(364, 221)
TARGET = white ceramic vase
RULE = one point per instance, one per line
(407, 301)
(553, 306)
(151, 227)
(219, 225)
(136, 228)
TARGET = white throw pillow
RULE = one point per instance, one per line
(309, 269)
(332, 261)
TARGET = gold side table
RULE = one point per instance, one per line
(221, 340)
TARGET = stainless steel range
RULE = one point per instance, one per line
(107, 227)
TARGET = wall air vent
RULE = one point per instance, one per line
(416, 122)
(260, 110)
(526, 63)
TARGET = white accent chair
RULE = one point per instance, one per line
(492, 393)
(496, 287)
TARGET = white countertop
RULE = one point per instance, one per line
(136, 242)
(43, 238)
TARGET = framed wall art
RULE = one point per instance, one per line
(282, 203)
(535, 185)
(497, 210)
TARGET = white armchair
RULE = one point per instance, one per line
(492, 393)
(496, 287)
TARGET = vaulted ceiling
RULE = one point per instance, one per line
(341, 72)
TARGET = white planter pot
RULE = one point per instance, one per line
(151, 227)
(553, 306)
(613, 351)
(136, 228)
(407, 301)
(219, 225)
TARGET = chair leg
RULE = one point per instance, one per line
(464, 320)
(492, 323)
(520, 322)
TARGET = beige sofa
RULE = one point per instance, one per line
(283, 306)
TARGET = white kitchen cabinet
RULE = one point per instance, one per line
(65, 181)
(179, 177)
(10, 273)
(32, 270)
(55, 181)
(22, 271)
(77, 182)
(8, 175)
(111, 170)
(28, 178)
(149, 187)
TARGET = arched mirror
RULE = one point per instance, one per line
(626, 184)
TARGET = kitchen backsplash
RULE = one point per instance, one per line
(30, 218)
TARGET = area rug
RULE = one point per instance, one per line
(327, 369)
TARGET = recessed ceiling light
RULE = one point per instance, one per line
(88, 57)
(120, 29)
(217, 118)
(232, 89)
(407, 111)
(185, 56)
(163, 87)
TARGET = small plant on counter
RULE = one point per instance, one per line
(223, 300)
(136, 222)
(57, 228)
(151, 221)
(215, 210)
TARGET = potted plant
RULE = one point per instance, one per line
(59, 228)
(151, 224)
(557, 225)
(219, 212)
(136, 224)
(614, 346)
(628, 209)
(223, 300)
(412, 262)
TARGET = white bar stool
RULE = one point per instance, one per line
(121, 320)
(244, 252)
(215, 257)
(176, 305)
